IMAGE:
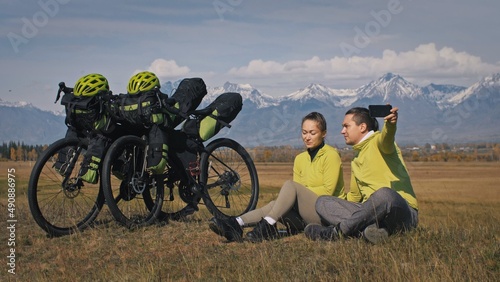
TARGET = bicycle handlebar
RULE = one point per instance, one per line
(62, 88)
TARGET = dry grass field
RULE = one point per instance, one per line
(457, 240)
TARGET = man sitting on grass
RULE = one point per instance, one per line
(381, 200)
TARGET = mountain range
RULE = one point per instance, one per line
(434, 113)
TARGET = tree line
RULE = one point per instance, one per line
(477, 152)
(20, 152)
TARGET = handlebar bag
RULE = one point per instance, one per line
(142, 110)
(84, 113)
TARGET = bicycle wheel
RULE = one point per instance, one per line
(133, 196)
(228, 178)
(60, 202)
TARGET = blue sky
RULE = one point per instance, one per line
(276, 46)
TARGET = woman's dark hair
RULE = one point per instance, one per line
(362, 115)
(317, 117)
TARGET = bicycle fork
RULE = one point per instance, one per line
(72, 159)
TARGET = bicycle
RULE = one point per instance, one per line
(222, 174)
(59, 201)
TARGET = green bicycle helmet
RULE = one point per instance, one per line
(142, 82)
(90, 85)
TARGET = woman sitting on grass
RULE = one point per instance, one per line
(316, 172)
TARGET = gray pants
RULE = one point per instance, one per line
(385, 207)
(294, 207)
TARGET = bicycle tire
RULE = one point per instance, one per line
(62, 207)
(133, 196)
(229, 181)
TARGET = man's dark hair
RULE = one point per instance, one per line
(362, 115)
(317, 117)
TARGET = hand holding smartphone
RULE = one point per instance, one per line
(379, 110)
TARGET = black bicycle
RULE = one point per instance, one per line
(60, 202)
(222, 174)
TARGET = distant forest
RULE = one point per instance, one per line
(442, 152)
(18, 151)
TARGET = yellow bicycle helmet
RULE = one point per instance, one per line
(90, 85)
(141, 82)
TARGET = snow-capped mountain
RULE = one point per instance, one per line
(24, 104)
(335, 97)
(389, 86)
(486, 88)
(248, 93)
(19, 104)
(430, 114)
(21, 121)
(441, 93)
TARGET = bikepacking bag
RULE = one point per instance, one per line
(157, 152)
(84, 113)
(89, 171)
(142, 110)
(223, 110)
(184, 151)
(187, 97)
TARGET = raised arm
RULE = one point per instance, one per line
(388, 137)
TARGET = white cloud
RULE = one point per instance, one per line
(168, 68)
(424, 61)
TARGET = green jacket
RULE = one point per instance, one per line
(323, 175)
(378, 163)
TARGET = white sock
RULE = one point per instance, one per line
(270, 220)
(240, 221)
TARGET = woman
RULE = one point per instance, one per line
(316, 172)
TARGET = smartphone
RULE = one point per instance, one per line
(379, 110)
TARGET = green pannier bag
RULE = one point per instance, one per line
(157, 153)
(223, 110)
(89, 171)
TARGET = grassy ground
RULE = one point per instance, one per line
(457, 240)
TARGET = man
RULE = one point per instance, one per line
(381, 200)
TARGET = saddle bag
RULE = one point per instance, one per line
(187, 97)
(223, 110)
